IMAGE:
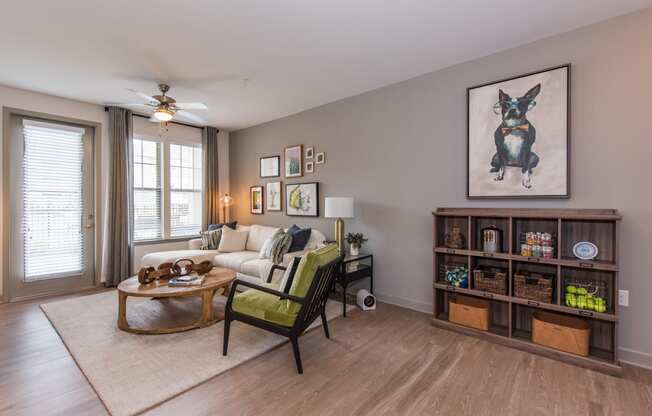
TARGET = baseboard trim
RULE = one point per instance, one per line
(405, 303)
(635, 358)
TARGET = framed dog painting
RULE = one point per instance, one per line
(518, 136)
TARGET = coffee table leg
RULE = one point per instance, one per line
(206, 307)
(122, 311)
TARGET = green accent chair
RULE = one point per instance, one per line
(289, 314)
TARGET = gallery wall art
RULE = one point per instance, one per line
(270, 166)
(294, 161)
(256, 199)
(273, 196)
(518, 136)
(302, 199)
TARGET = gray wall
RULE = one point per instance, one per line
(400, 151)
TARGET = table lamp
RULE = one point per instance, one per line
(339, 207)
(227, 201)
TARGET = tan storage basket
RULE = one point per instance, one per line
(471, 312)
(561, 332)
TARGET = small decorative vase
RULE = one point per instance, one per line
(354, 250)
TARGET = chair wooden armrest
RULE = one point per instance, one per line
(272, 270)
(265, 289)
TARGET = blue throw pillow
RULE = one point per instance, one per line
(231, 225)
(300, 237)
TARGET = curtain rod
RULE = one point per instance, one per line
(181, 123)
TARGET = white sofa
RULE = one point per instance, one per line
(245, 263)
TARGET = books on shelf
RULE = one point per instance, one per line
(192, 279)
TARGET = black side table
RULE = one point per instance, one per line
(355, 268)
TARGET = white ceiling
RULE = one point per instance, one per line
(296, 54)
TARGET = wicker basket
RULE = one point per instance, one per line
(534, 286)
(490, 279)
(450, 267)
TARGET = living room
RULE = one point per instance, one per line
(381, 242)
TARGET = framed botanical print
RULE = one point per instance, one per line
(256, 199)
(310, 167)
(302, 199)
(273, 196)
(270, 166)
(294, 161)
(310, 152)
(518, 136)
(320, 158)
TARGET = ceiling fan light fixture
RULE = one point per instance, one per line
(163, 114)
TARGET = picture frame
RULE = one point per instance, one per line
(294, 161)
(310, 152)
(302, 199)
(256, 199)
(310, 167)
(320, 158)
(518, 136)
(270, 166)
(273, 196)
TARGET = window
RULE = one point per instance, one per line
(53, 194)
(185, 190)
(167, 189)
(147, 190)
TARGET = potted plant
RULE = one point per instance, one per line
(355, 240)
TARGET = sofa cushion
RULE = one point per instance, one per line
(257, 267)
(234, 260)
(264, 306)
(306, 272)
(257, 236)
(232, 240)
(154, 259)
(316, 240)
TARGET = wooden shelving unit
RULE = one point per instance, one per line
(511, 315)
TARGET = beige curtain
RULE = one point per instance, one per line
(119, 220)
(211, 177)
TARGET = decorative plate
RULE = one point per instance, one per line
(585, 250)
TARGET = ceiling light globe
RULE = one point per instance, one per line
(162, 114)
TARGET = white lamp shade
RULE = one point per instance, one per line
(338, 207)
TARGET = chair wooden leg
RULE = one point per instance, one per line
(325, 324)
(297, 355)
(227, 327)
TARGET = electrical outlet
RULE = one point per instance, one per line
(623, 297)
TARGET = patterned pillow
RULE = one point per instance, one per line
(277, 247)
(210, 240)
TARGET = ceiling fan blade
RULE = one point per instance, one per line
(142, 95)
(153, 119)
(191, 117)
(191, 106)
(129, 105)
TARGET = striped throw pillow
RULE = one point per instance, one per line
(210, 240)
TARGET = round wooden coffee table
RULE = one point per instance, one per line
(217, 278)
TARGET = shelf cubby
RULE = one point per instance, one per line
(511, 316)
(601, 233)
(479, 223)
(445, 225)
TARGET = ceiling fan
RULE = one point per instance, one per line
(165, 107)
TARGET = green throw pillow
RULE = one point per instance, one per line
(210, 240)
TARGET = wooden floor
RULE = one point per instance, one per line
(391, 361)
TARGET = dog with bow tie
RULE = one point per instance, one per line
(515, 136)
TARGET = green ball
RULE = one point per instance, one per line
(573, 303)
(571, 289)
(581, 291)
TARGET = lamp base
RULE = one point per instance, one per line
(339, 234)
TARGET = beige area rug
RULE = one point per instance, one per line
(133, 373)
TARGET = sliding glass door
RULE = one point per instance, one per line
(51, 191)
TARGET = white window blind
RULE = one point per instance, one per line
(147, 190)
(52, 200)
(185, 190)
